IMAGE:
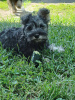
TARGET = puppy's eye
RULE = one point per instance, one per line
(42, 26)
(29, 28)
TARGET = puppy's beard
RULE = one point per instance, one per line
(40, 39)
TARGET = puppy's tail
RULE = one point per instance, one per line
(53, 48)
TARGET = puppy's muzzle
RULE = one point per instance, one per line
(37, 36)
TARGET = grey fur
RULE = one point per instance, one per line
(31, 37)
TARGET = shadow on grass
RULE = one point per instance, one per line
(62, 35)
(5, 25)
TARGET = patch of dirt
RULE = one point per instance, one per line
(30, 8)
(4, 14)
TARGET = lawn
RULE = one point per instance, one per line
(52, 80)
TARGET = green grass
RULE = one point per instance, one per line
(3, 5)
(53, 80)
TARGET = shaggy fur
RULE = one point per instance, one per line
(14, 3)
(32, 36)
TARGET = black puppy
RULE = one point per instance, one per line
(14, 3)
(32, 36)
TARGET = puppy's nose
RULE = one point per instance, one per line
(37, 36)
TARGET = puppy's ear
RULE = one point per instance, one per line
(25, 19)
(45, 14)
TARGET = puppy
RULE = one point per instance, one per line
(32, 36)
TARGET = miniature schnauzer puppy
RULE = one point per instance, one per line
(14, 3)
(32, 36)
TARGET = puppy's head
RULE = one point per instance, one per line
(35, 28)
